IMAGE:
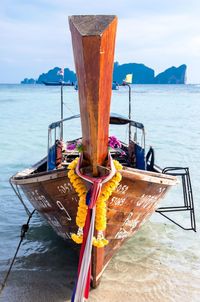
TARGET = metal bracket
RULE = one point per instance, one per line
(188, 205)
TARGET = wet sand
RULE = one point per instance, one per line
(145, 270)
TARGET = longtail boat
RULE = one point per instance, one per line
(61, 83)
(117, 185)
(115, 86)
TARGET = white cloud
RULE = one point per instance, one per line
(160, 42)
(35, 35)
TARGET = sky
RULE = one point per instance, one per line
(35, 36)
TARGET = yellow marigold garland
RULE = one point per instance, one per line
(100, 219)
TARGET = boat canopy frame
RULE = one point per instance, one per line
(115, 119)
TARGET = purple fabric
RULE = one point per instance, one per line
(71, 147)
(113, 142)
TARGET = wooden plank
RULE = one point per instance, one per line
(130, 205)
(93, 39)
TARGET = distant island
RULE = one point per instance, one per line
(141, 75)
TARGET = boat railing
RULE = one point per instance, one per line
(55, 132)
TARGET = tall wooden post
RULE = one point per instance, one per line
(93, 39)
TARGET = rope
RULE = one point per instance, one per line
(65, 104)
(102, 179)
(24, 230)
(17, 192)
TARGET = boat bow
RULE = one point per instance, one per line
(93, 39)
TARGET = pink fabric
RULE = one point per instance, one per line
(95, 191)
(90, 179)
(85, 233)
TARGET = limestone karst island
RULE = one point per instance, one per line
(141, 75)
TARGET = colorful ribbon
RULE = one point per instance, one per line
(82, 287)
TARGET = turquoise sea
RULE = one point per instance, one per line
(161, 262)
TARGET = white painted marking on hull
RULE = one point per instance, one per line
(62, 208)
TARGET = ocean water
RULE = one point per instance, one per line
(161, 262)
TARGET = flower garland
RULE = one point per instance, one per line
(113, 144)
(100, 219)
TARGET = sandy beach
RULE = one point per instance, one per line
(144, 270)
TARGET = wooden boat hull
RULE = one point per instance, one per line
(134, 200)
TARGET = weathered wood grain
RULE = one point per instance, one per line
(93, 39)
(127, 209)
